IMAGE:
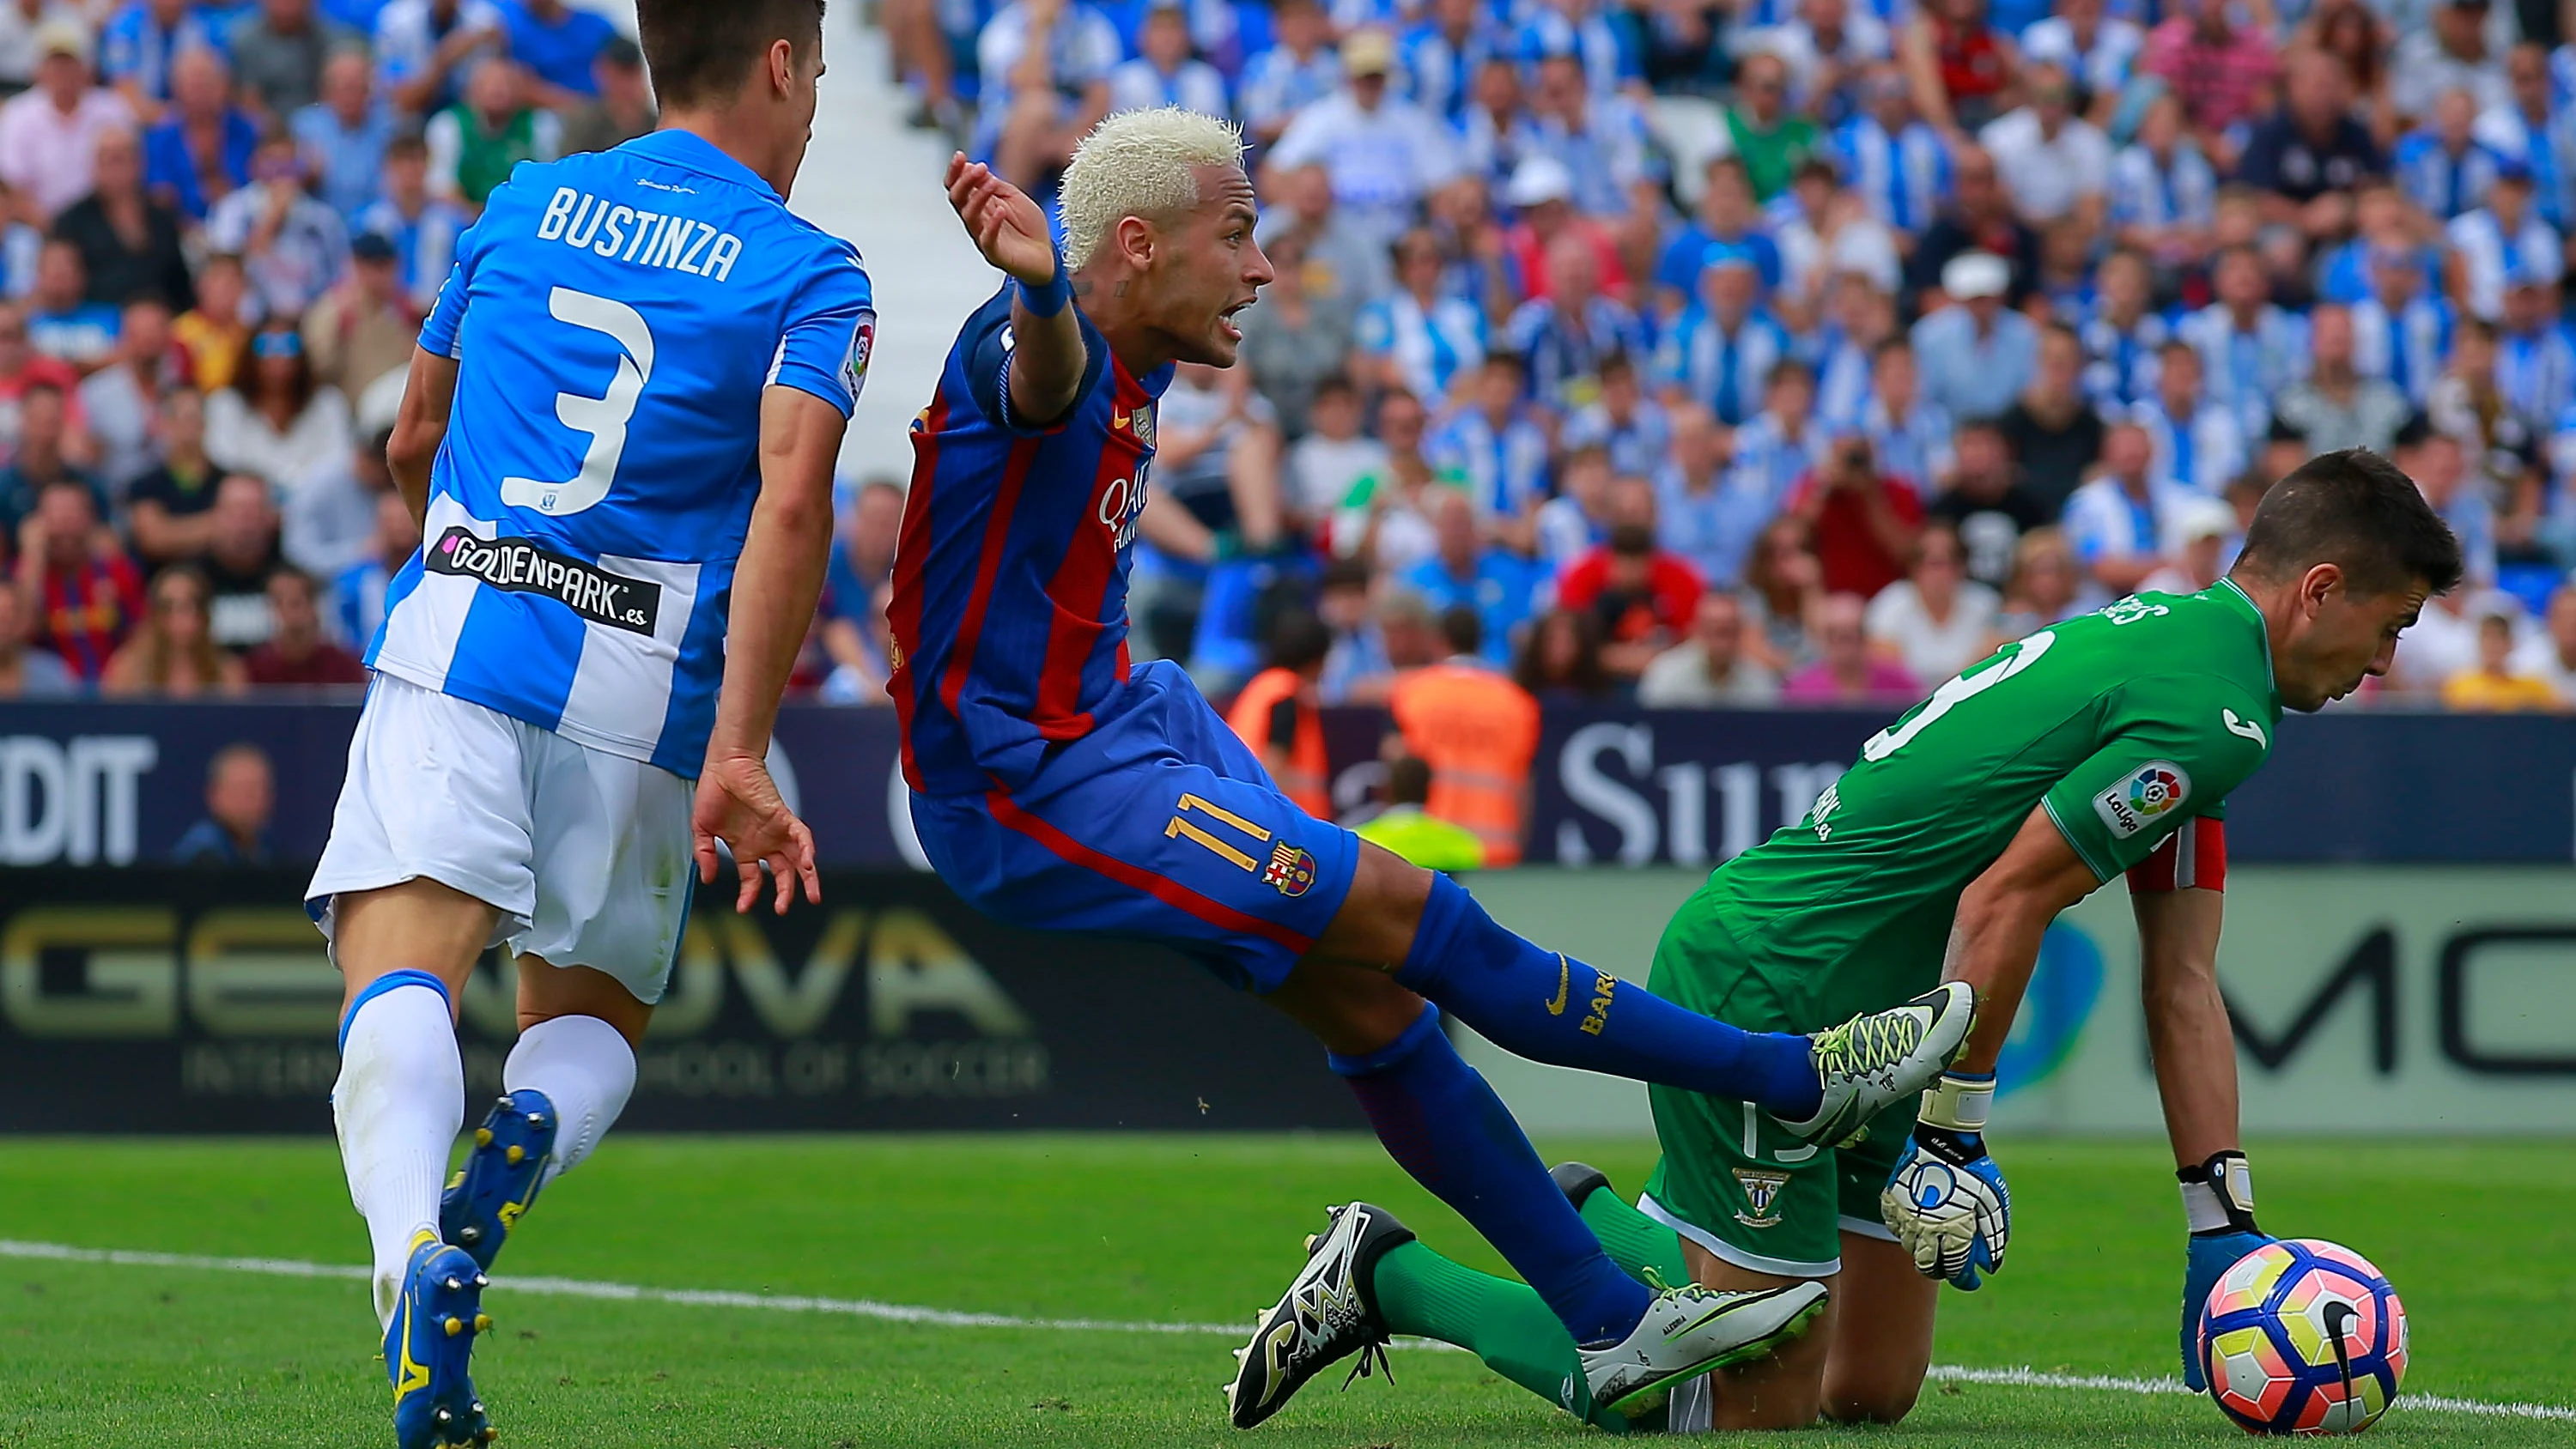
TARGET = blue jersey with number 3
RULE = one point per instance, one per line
(615, 317)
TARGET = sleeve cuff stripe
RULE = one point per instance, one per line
(2095, 866)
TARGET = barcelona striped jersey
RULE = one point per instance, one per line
(1009, 609)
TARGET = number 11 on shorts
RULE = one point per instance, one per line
(1180, 827)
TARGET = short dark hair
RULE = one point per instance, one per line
(1408, 780)
(1463, 630)
(1789, 369)
(238, 750)
(2356, 510)
(697, 51)
(1299, 641)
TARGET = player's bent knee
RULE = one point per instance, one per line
(548, 991)
(1378, 917)
(416, 925)
(1853, 1400)
(1351, 1009)
(1775, 1403)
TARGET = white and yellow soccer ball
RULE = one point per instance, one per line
(2304, 1337)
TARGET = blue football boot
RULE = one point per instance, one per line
(501, 1175)
(427, 1346)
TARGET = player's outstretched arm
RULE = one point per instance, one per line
(2187, 1030)
(2194, 1049)
(1047, 357)
(776, 584)
(1946, 1201)
(1994, 938)
(420, 426)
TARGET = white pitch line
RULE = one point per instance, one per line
(952, 1318)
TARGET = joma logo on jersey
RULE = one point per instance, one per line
(520, 566)
(1761, 1190)
(2156, 789)
(1120, 504)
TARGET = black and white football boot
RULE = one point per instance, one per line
(1323, 1318)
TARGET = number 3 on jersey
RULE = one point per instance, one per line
(603, 418)
(2012, 659)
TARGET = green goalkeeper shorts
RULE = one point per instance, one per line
(1732, 1179)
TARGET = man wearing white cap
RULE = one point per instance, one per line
(1541, 190)
(2201, 540)
(20, 20)
(49, 134)
(1383, 152)
(1975, 355)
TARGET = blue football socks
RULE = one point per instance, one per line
(1442, 1122)
(1548, 1007)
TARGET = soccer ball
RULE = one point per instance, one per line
(2303, 1337)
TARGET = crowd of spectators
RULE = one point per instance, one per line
(1705, 351)
(1733, 351)
(220, 228)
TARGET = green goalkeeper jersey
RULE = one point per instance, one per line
(2122, 724)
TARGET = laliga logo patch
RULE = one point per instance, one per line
(854, 369)
(2156, 789)
(1291, 870)
(1144, 425)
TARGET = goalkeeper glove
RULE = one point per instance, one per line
(1946, 1200)
(2218, 1199)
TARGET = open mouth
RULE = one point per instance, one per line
(1225, 321)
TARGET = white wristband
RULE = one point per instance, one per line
(2201, 1207)
(1958, 1104)
(2219, 1193)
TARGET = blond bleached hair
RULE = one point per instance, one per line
(1139, 163)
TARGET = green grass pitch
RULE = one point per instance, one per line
(1176, 1228)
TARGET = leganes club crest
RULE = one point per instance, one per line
(1761, 1191)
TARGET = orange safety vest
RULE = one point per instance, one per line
(1478, 731)
(1306, 780)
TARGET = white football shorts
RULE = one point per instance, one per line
(585, 853)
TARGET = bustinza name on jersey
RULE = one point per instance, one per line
(647, 238)
(522, 567)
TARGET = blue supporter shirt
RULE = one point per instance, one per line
(1009, 610)
(1683, 257)
(1502, 590)
(169, 170)
(424, 245)
(559, 52)
(134, 47)
(351, 162)
(615, 317)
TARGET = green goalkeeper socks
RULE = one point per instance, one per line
(1422, 1294)
(1634, 1241)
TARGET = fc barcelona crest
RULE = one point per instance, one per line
(1761, 1190)
(1291, 869)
